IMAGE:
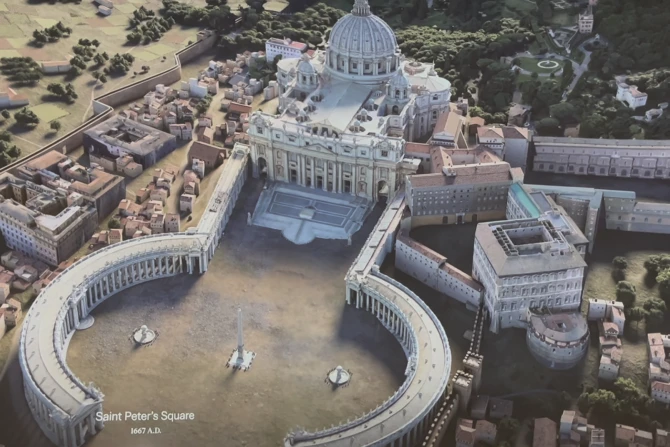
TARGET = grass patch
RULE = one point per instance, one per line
(126, 8)
(113, 31)
(11, 31)
(119, 20)
(18, 19)
(49, 112)
(275, 5)
(145, 56)
(562, 18)
(45, 23)
(19, 42)
(9, 53)
(160, 49)
(530, 64)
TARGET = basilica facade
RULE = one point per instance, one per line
(345, 113)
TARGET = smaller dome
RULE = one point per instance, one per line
(305, 66)
(400, 79)
(357, 123)
(364, 112)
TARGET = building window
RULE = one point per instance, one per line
(385, 153)
(259, 129)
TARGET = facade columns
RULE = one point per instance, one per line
(303, 180)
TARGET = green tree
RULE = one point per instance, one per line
(631, 399)
(114, 223)
(656, 309)
(635, 314)
(656, 263)
(564, 112)
(620, 263)
(5, 114)
(508, 429)
(26, 117)
(55, 125)
(663, 280)
(655, 304)
(625, 292)
(603, 402)
(592, 126)
(549, 126)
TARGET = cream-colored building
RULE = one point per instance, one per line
(585, 21)
(602, 157)
(346, 113)
(510, 143)
(624, 212)
(432, 269)
(523, 202)
(557, 341)
(629, 94)
(463, 186)
(526, 264)
(51, 239)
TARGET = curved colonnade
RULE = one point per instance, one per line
(63, 406)
(403, 419)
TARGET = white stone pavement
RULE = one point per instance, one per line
(304, 214)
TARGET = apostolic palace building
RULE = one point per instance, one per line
(346, 112)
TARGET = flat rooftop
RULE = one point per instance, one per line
(526, 246)
(132, 136)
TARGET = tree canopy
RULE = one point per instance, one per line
(634, 46)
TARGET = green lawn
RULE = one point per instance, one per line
(530, 64)
(562, 18)
(9, 53)
(48, 112)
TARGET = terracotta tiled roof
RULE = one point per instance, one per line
(544, 432)
(490, 132)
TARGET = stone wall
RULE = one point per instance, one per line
(102, 106)
(432, 269)
(138, 89)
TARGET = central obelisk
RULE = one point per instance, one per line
(240, 359)
(240, 337)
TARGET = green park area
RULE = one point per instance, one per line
(539, 66)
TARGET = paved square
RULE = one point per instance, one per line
(305, 214)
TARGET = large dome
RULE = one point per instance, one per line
(362, 47)
(362, 33)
